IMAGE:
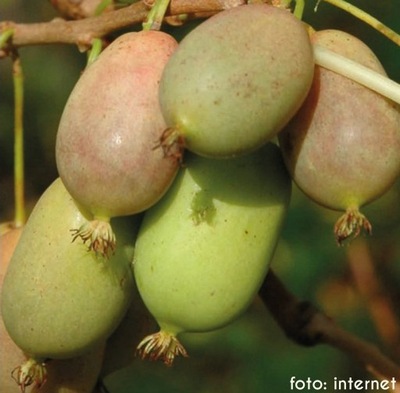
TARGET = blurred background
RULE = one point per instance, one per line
(358, 286)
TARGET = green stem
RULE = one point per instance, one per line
(19, 183)
(365, 17)
(156, 15)
(97, 43)
(299, 9)
(357, 72)
(102, 6)
(95, 50)
(5, 36)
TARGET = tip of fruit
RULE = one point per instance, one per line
(351, 224)
(31, 372)
(161, 346)
(99, 236)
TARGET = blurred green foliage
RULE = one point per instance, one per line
(252, 355)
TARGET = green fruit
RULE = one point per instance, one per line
(107, 133)
(236, 80)
(203, 251)
(77, 375)
(58, 300)
(342, 147)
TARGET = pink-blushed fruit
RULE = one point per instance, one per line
(8, 242)
(235, 81)
(342, 147)
(105, 143)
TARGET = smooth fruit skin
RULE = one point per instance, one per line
(236, 80)
(58, 300)
(78, 375)
(342, 147)
(11, 354)
(8, 242)
(203, 251)
(112, 121)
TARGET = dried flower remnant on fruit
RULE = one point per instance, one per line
(161, 346)
(350, 224)
(99, 235)
(172, 144)
(31, 372)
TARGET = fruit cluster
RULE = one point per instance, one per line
(189, 151)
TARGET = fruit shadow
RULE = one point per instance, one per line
(293, 135)
(246, 187)
(245, 184)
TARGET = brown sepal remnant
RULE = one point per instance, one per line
(161, 346)
(31, 372)
(172, 143)
(351, 224)
(99, 235)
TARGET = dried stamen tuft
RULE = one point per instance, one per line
(350, 224)
(31, 372)
(161, 346)
(99, 235)
(172, 143)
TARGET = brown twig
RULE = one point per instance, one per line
(79, 9)
(372, 291)
(81, 32)
(306, 325)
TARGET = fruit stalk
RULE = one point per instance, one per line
(19, 191)
(299, 9)
(357, 72)
(365, 17)
(5, 36)
(102, 6)
(156, 14)
(18, 80)
(95, 50)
